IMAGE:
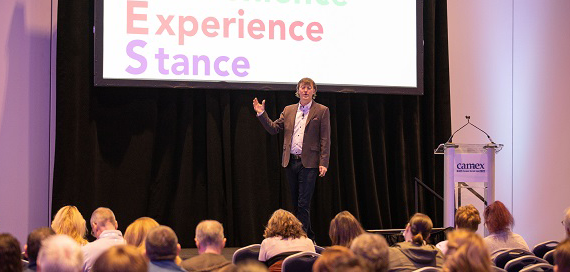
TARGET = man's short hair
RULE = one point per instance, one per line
(10, 253)
(562, 256)
(210, 233)
(306, 81)
(103, 215)
(60, 253)
(124, 258)
(161, 244)
(34, 242)
(373, 248)
(467, 217)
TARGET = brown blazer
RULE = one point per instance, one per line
(316, 140)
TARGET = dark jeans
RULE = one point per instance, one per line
(302, 185)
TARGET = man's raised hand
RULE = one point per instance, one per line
(259, 108)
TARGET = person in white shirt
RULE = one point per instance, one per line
(104, 228)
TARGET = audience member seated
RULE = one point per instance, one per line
(344, 227)
(162, 248)
(121, 258)
(562, 257)
(566, 222)
(60, 253)
(251, 266)
(136, 232)
(69, 221)
(104, 228)
(210, 242)
(466, 251)
(10, 253)
(466, 217)
(284, 236)
(33, 245)
(373, 249)
(499, 222)
(415, 253)
(338, 258)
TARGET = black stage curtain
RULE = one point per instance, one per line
(182, 156)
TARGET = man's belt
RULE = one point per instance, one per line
(295, 156)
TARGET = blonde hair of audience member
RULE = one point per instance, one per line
(10, 253)
(338, 258)
(344, 228)
(418, 229)
(69, 221)
(60, 253)
(498, 218)
(466, 251)
(562, 257)
(210, 237)
(102, 219)
(285, 224)
(136, 232)
(467, 217)
(251, 266)
(566, 222)
(373, 249)
(121, 258)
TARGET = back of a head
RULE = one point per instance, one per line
(10, 253)
(467, 217)
(69, 221)
(420, 227)
(251, 266)
(103, 215)
(136, 232)
(121, 258)
(562, 256)
(161, 244)
(344, 228)
(34, 242)
(338, 258)
(210, 233)
(498, 218)
(60, 253)
(373, 249)
(285, 224)
(466, 252)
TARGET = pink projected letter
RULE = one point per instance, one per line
(182, 31)
(165, 25)
(210, 23)
(314, 28)
(251, 28)
(132, 17)
(292, 30)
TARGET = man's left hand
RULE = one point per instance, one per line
(322, 171)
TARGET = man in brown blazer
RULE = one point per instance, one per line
(306, 145)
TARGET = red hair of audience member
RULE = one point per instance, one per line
(338, 258)
(344, 228)
(498, 218)
(466, 251)
(121, 258)
(420, 227)
(562, 257)
(10, 253)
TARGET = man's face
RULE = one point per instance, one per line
(306, 92)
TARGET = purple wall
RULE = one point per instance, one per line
(25, 48)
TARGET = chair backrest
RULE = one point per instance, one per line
(541, 267)
(549, 257)
(541, 249)
(301, 262)
(504, 257)
(319, 249)
(519, 263)
(428, 269)
(250, 252)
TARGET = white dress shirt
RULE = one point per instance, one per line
(299, 130)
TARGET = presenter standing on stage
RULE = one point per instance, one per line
(306, 145)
